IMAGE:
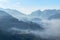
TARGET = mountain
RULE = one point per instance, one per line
(47, 13)
(36, 13)
(13, 29)
(15, 13)
(35, 16)
(56, 15)
(50, 14)
(8, 22)
(22, 17)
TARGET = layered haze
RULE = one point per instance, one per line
(42, 25)
(29, 19)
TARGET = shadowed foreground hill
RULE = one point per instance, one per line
(7, 22)
(7, 36)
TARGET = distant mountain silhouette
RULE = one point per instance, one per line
(35, 16)
(36, 13)
(15, 13)
(56, 15)
(51, 14)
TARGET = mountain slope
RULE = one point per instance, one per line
(35, 16)
(50, 14)
(36, 13)
(15, 13)
(7, 21)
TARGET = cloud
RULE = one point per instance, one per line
(52, 29)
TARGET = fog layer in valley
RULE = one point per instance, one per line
(39, 25)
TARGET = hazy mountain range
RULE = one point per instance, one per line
(46, 14)
(11, 27)
(15, 25)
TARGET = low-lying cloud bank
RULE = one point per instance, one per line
(51, 30)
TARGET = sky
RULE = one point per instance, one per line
(28, 6)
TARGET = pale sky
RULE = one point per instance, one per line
(27, 6)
